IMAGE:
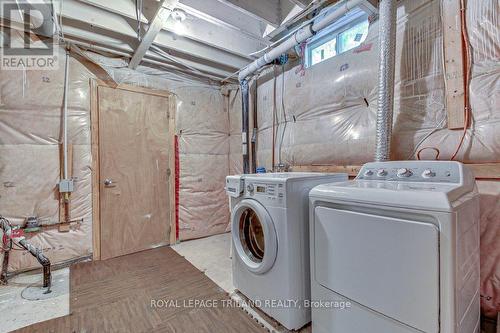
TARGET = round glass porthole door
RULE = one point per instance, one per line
(254, 236)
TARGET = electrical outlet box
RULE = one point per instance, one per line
(66, 186)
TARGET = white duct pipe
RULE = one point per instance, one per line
(298, 37)
(387, 63)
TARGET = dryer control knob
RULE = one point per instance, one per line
(368, 173)
(428, 173)
(404, 172)
(250, 188)
(382, 173)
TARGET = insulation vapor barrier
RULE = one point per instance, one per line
(326, 114)
(336, 100)
(30, 128)
(203, 129)
(30, 131)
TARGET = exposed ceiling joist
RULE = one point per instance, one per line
(217, 36)
(162, 14)
(171, 42)
(217, 11)
(295, 21)
(125, 8)
(301, 3)
(183, 47)
(268, 10)
(113, 45)
(197, 29)
(93, 18)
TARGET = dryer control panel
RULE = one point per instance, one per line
(416, 171)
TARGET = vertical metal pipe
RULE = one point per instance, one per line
(65, 118)
(253, 140)
(387, 60)
(5, 265)
(244, 124)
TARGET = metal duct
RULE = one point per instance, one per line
(387, 61)
(298, 37)
(244, 124)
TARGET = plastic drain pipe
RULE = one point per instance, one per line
(387, 61)
(298, 37)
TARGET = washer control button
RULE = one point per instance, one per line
(428, 173)
(404, 172)
(368, 173)
(382, 173)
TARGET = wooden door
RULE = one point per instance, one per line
(134, 142)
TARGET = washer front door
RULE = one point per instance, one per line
(254, 236)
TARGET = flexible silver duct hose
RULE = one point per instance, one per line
(387, 41)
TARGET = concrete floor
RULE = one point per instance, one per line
(210, 255)
(18, 312)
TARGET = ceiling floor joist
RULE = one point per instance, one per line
(268, 10)
(89, 18)
(162, 14)
(196, 29)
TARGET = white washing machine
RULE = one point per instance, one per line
(270, 237)
(398, 249)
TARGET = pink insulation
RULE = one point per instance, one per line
(202, 127)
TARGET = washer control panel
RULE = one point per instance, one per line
(271, 191)
(413, 171)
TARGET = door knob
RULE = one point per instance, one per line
(108, 182)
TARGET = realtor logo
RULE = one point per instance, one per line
(28, 33)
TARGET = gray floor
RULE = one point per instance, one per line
(18, 312)
(210, 255)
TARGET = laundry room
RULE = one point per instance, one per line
(324, 166)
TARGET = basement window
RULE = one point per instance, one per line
(341, 36)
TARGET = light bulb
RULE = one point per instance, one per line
(179, 28)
